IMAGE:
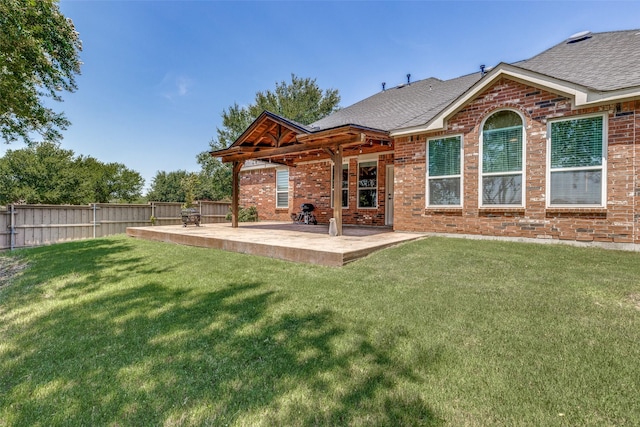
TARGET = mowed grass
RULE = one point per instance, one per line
(437, 332)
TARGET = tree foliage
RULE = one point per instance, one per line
(168, 187)
(301, 100)
(110, 182)
(46, 173)
(39, 58)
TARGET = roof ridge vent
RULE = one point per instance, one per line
(578, 37)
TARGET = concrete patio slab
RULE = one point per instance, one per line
(281, 240)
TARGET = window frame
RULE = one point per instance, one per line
(360, 162)
(602, 167)
(522, 172)
(281, 191)
(345, 200)
(460, 175)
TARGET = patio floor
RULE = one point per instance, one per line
(282, 240)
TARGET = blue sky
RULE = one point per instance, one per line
(158, 74)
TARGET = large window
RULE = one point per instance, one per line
(577, 156)
(502, 159)
(282, 188)
(444, 178)
(368, 184)
(345, 185)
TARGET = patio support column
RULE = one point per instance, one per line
(336, 156)
(235, 192)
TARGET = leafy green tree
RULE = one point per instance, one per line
(190, 184)
(168, 187)
(46, 173)
(43, 173)
(39, 58)
(214, 178)
(110, 182)
(301, 100)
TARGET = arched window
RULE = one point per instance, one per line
(502, 159)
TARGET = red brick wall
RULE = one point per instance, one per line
(311, 183)
(258, 188)
(618, 222)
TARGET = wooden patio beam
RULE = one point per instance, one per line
(266, 152)
(336, 156)
(235, 192)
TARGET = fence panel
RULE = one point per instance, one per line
(5, 228)
(36, 225)
(115, 218)
(212, 212)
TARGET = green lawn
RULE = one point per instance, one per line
(437, 332)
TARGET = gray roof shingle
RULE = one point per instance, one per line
(603, 62)
(401, 106)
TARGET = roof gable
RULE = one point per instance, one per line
(580, 96)
(270, 130)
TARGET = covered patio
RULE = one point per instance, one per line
(281, 240)
(276, 140)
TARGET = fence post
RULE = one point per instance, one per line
(12, 233)
(94, 220)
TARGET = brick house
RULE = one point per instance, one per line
(544, 148)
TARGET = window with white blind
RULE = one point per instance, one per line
(282, 188)
(444, 171)
(502, 160)
(577, 162)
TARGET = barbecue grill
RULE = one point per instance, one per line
(306, 216)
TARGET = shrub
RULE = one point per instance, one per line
(249, 214)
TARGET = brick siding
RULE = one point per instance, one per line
(617, 222)
(311, 183)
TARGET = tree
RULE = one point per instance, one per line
(43, 173)
(39, 58)
(301, 101)
(110, 182)
(46, 173)
(168, 187)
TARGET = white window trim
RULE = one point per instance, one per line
(332, 175)
(282, 191)
(360, 161)
(481, 175)
(602, 167)
(461, 175)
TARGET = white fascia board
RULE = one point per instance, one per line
(580, 95)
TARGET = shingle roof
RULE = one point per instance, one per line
(401, 106)
(603, 62)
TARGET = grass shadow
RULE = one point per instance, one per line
(157, 354)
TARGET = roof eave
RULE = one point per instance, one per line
(581, 96)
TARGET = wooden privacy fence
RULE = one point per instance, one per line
(35, 225)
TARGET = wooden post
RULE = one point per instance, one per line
(235, 192)
(336, 156)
